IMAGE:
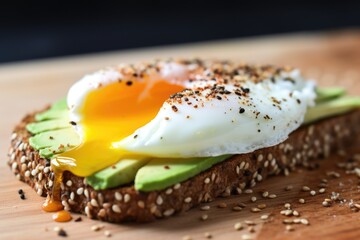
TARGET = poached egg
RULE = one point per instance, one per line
(181, 109)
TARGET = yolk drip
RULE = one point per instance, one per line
(108, 115)
(62, 216)
(52, 206)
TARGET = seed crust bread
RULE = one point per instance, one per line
(317, 140)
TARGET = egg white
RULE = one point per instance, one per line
(215, 127)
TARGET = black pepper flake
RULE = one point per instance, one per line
(166, 167)
(241, 110)
(22, 196)
(238, 93)
(259, 130)
(20, 191)
(176, 95)
(245, 90)
(174, 108)
(266, 117)
(51, 138)
(290, 80)
(78, 219)
(167, 118)
(62, 233)
(218, 97)
(73, 123)
(135, 136)
(298, 101)
(129, 83)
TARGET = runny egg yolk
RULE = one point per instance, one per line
(110, 114)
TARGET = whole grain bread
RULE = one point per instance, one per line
(124, 203)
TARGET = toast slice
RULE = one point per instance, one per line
(312, 141)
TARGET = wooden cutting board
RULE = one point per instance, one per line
(331, 58)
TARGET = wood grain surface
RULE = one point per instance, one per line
(330, 58)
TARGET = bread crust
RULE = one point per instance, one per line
(124, 203)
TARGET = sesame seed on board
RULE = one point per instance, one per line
(205, 208)
(238, 226)
(237, 208)
(204, 217)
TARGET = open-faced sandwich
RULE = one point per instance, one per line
(145, 141)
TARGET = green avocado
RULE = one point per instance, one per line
(48, 125)
(55, 141)
(122, 172)
(332, 107)
(53, 135)
(52, 132)
(325, 94)
(57, 111)
(161, 173)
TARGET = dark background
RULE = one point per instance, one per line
(41, 29)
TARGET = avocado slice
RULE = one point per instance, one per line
(55, 141)
(44, 126)
(325, 94)
(331, 108)
(52, 131)
(52, 114)
(161, 173)
(58, 110)
(60, 104)
(122, 172)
